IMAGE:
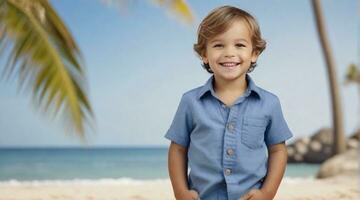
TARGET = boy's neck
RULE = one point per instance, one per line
(237, 86)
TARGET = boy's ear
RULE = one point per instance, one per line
(204, 59)
(255, 56)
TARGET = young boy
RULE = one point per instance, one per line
(229, 132)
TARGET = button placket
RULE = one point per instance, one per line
(230, 142)
(223, 110)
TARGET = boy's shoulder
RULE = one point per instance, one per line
(193, 93)
(267, 96)
(266, 93)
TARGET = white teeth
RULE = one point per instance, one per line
(229, 64)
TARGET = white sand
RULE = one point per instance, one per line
(342, 188)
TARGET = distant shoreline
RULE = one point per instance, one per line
(80, 147)
(97, 163)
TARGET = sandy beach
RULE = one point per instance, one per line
(340, 188)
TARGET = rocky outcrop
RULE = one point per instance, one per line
(354, 140)
(317, 148)
(345, 164)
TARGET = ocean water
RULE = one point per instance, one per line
(50, 164)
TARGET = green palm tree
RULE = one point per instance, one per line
(45, 58)
(42, 54)
(339, 137)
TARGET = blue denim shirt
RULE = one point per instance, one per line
(227, 146)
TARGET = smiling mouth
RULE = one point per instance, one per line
(229, 64)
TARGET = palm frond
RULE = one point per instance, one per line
(181, 7)
(178, 7)
(353, 74)
(45, 57)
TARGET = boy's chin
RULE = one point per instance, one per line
(231, 77)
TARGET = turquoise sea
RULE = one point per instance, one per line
(37, 164)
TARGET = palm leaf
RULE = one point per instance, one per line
(181, 7)
(353, 74)
(44, 55)
(177, 7)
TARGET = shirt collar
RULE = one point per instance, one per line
(208, 87)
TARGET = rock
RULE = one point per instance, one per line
(324, 135)
(318, 148)
(298, 158)
(301, 148)
(315, 149)
(345, 164)
(356, 135)
(290, 151)
(352, 143)
(354, 140)
(315, 146)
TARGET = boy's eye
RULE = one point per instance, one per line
(218, 45)
(240, 45)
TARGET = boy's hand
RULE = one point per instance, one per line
(256, 194)
(188, 195)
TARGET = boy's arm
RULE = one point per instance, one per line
(177, 163)
(276, 169)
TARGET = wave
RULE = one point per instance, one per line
(104, 181)
(118, 181)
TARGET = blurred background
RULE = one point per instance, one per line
(138, 61)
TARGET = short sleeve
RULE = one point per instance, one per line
(181, 126)
(277, 130)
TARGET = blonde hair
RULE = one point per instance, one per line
(218, 21)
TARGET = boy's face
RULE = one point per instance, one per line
(230, 54)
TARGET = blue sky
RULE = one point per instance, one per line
(140, 61)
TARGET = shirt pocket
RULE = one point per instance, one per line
(252, 132)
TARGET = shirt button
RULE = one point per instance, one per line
(227, 172)
(230, 152)
(230, 127)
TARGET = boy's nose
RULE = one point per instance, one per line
(229, 55)
(229, 52)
